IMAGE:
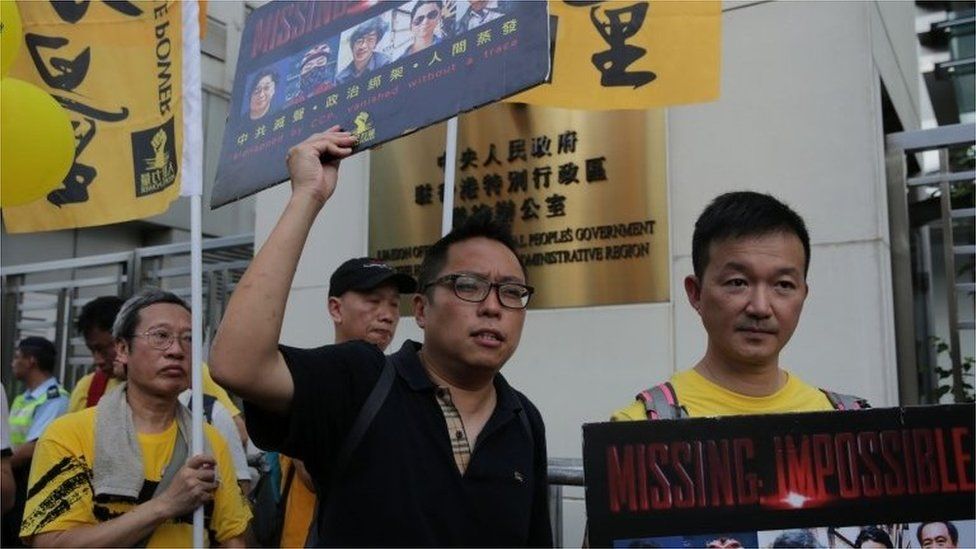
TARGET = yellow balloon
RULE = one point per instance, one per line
(11, 34)
(37, 144)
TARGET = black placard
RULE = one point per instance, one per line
(653, 479)
(307, 47)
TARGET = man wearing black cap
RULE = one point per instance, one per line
(364, 303)
(364, 300)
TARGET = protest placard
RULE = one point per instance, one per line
(753, 478)
(377, 69)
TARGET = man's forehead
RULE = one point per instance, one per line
(480, 255)
(786, 246)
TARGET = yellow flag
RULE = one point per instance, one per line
(116, 68)
(624, 54)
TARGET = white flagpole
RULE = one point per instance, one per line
(450, 152)
(192, 186)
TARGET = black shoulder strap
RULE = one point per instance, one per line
(208, 406)
(366, 415)
(840, 401)
(176, 461)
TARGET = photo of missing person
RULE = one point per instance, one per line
(262, 94)
(475, 13)
(721, 540)
(364, 48)
(426, 29)
(265, 91)
(313, 71)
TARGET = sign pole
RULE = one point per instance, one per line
(450, 152)
(191, 181)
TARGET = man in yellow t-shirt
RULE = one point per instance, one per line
(95, 326)
(751, 254)
(74, 500)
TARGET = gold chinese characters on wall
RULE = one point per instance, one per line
(584, 191)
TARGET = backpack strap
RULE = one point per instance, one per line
(176, 461)
(845, 402)
(362, 422)
(661, 402)
(208, 407)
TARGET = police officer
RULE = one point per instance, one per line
(30, 413)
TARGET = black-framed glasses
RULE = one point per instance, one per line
(475, 289)
(432, 14)
(162, 339)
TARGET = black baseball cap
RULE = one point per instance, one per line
(366, 273)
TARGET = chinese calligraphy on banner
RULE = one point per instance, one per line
(585, 193)
(116, 68)
(626, 54)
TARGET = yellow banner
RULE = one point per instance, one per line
(623, 54)
(116, 68)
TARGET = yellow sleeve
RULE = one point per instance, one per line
(61, 496)
(211, 388)
(635, 411)
(79, 395)
(231, 513)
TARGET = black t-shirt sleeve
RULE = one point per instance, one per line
(331, 385)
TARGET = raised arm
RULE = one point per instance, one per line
(245, 356)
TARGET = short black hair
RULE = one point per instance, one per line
(99, 313)
(375, 24)
(875, 534)
(744, 213)
(266, 72)
(953, 531)
(40, 349)
(413, 11)
(480, 224)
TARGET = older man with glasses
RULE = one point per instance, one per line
(120, 474)
(427, 447)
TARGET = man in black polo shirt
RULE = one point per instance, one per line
(454, 456)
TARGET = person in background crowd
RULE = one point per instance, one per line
(7, 483)
(425, 19)
(42, 401)
(428, 404)
(937, 534)
(89, 488)
(30, 414)
(95, 325)
(364, 303)
(751, 254)
(362, 44)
